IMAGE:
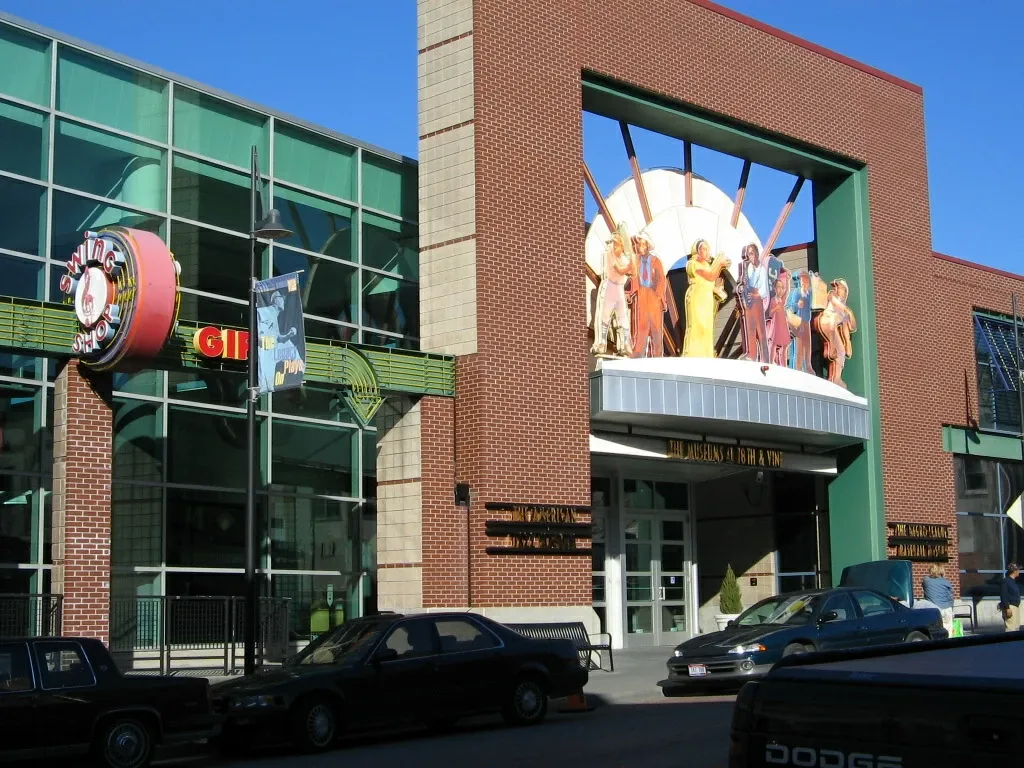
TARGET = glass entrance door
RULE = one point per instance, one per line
(656, 580)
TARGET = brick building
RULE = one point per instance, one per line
(458, 443)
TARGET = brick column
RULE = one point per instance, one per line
(83, 431)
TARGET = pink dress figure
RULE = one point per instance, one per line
(778, 325)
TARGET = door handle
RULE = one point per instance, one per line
(661, 593)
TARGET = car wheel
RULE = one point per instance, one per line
(314, 725)
(916, 637)
(794, 649)
(123, 743)
(527, 702)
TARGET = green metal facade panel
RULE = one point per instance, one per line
(972, 442)
(47, 329)
(856, 500)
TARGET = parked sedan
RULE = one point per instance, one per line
(392, 670)
(800, 622)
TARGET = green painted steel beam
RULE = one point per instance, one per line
(976, 442)
(46, 329)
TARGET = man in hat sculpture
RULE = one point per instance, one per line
(835, 323)
(798, 313)
(651, 299)
(611, 312)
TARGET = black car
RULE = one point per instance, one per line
(65, 696)
(795, 623)
(391, 670)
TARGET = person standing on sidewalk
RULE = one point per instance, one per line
(1010, 599)
(939, 591)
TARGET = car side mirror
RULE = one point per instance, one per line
(828, 616)
(387, 654)
(731, 624)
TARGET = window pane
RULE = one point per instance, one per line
(391, 342)
(207, 311)
(206, 447)
(639, 494)
(22, 278)
(142, 383)
(318, 329)
(788, 584)
(979, 543)
(17, 582)
(459, 635)
(318, 225)
(205, 530)
(73, 216)
(797, 541)
(15, 670)
(22, 211)
(23, 367)
(211, 261)
(207, 387)
(214, 128)
(62, 665)
(136, 526)
(313, 535)
(391, 245)
(21, 437)
(138, 440)
(976, 485)
(314, 161)
(23, 150)
(24, 65)
(978, 585)
(110, 166)
(311, 615)
(389, 186)
(314, 401)
(390, 304)
(210, 194)
(19, 519)
(671, 495)
(215, 584)
(312, 458)
(329, 289)
(110, 94)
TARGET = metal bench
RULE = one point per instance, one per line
(965, 610)
(571, 630)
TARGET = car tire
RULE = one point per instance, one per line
(794, 649)
(916, 637)
(314, 725)
(125, 742)
(527, 702)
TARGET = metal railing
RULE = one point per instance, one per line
(30, 615)
(200, 633)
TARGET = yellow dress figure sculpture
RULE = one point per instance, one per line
(702, 300)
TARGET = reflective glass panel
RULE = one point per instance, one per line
(329, 289)
(210, 194)
(214, 387)
(22, 211)
(214, 128)
(22, 366)
(110, 166)
(391, 342)
(207, 311)
(318, 225)
(23, 150)
(110, 94)
(142, 383)
(314, 162)
(390, 304)
(312, 458)
(671, 495)
(206, 447)
(22, 278)
(391, 245)
(211, 261)
(318, 329)
(138, 440)
(314, 401)
(980, 543)
(205, 529)
(797, 542)
(22, 440)
(311, 614)
(73, 216)
(24, 65)
(390, 186)
(313, 534)
(20, 499)
(136, 525)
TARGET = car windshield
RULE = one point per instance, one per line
(783, 609)
(341, 644)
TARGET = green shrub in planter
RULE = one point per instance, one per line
(729, 600)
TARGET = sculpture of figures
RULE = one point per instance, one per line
(798, 314)
(835, 323)
(752, 295)
(611, 313)
(702, 300)
(649, 294)
(778, 327)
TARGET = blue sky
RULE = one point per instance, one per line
(351, 65)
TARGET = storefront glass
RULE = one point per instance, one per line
(990, 533)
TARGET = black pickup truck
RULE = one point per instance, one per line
(65, 696)
(943, 703)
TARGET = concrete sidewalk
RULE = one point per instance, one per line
(635, 679)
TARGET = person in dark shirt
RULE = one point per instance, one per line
(1010, 599)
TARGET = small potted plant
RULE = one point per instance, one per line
(729, 602)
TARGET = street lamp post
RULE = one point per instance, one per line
(268, 227)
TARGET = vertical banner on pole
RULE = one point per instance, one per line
(281, 354)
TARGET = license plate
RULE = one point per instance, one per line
(697, 670)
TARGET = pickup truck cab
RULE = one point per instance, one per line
(65, 696)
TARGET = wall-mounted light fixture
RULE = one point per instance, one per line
(462, 494)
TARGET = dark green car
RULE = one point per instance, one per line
(800, 622)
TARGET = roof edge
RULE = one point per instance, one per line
(981, 267)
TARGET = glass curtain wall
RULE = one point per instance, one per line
(90, 142)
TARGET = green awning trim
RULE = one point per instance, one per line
(975, 442)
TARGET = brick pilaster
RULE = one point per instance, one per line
(83, 430)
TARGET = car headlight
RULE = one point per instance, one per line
(677, 653)
(252, 702)
(753, 648)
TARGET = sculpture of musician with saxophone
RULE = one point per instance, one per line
(836, 323)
